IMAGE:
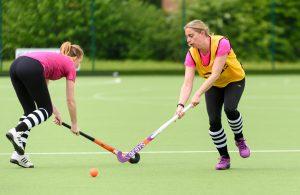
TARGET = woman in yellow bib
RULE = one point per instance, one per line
(215, 60)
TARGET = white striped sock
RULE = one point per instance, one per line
(36, 117)
(219, 138)
(236, 125)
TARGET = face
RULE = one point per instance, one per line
(195, 39)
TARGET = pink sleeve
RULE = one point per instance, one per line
(224, 47)
(71, 74)
(189, 62)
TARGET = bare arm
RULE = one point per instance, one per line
(55, 110)
(208, 83)
(70, 88)
(186, 89)
(187, 85)
(70, 85)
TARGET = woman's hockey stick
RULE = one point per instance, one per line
(132, 160)
(124, 158)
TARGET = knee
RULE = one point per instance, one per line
(231, 113)
(215, 125)
(50, 111)
(47, 111)
(28, 111)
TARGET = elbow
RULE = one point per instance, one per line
(215, 76)
(70, 101)
(187, 85)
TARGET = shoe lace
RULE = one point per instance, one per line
(242, 144)
(223, 160)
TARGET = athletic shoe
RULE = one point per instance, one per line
(15, 138)
(21, 160)
(223, 164)
(243, 148)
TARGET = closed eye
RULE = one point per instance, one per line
(189, 36)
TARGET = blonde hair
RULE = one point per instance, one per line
(198, 26)
(71, 50)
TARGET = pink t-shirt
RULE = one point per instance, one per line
(55, 65)
(223, 48)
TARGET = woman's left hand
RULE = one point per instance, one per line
(196, 99)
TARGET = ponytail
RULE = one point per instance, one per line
(71, 50)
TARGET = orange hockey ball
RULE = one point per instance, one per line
(93, 172)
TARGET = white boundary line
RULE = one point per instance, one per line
(156, 152)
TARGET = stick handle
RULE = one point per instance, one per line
(66, 125)
(187, 107)
(96, 141)
(165, 125)
(142, 144)
(80, 133)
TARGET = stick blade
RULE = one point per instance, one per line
(121, 158)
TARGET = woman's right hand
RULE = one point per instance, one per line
(57, 119)
(179, 111)
(75, 129)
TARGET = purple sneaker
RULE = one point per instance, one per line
(243, 148)
(223, 164)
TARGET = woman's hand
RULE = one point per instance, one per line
(196, 99)
(179, 111)
(57, 119)
(75, 129)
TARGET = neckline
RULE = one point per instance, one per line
(208, 50)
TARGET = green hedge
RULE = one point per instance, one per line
(123, 29)
(255, 28)
(138, 29)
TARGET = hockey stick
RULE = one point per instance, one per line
(132, 160)
(124, 158)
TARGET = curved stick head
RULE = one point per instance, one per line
(135, 159)
(122, 158)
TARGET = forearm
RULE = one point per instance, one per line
(208, 83)
(55, 111)
(72, 111)
(185, 93)
(216, 72)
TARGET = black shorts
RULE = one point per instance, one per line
(27, 77)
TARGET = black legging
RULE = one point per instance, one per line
(229, 96)
(27, 77)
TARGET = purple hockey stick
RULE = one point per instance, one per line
(124, 158)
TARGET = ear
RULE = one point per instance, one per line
(203, 33)
(74, 59)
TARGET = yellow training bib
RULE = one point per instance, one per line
(232, 70)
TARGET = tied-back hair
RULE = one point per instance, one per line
(198, 26)
(71, 50)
